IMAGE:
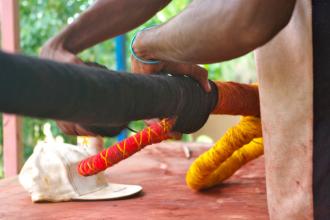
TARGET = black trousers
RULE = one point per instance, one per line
(321, 146)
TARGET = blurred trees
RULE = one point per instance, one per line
(40, 20)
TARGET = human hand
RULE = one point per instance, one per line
(196, 72)
(70, 128)
(54, 50)
(141, 68)
(144, 62)
(141, 64)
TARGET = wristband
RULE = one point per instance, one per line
(135, 55)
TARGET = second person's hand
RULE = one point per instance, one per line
(196, 72)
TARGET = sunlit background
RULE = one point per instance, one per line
(40, 20)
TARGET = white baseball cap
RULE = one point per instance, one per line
(50, 174)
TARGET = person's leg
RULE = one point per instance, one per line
(286, 99)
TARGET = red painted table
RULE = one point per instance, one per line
(160, 169)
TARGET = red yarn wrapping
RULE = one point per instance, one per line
(153, 134)
(237, 99)
(234, 99)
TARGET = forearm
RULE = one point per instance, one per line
(106, 19)
(210, 31)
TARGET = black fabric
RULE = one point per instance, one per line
(97, 97)
(321, 149)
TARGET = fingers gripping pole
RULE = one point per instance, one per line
(153, 134)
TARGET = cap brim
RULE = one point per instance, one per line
(112, 191)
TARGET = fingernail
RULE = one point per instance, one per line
(209, 87)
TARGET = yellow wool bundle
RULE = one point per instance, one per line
(239, 145)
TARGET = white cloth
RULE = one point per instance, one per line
(50, 174)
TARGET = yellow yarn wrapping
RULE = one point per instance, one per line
(239, 145)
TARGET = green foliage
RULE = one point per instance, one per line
(1, 132)
(40, 20)
(1, 166)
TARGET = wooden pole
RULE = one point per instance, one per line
(12, 146)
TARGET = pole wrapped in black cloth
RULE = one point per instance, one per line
(99, 97)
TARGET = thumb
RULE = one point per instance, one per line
(76, 60)
(201, 75)
(194, 71)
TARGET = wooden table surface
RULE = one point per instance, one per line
(160, 170)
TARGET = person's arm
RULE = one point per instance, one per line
(104, 20)
(209, 31)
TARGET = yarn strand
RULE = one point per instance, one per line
(155, 133)
(239, 145)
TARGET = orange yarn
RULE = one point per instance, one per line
(237, 99)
